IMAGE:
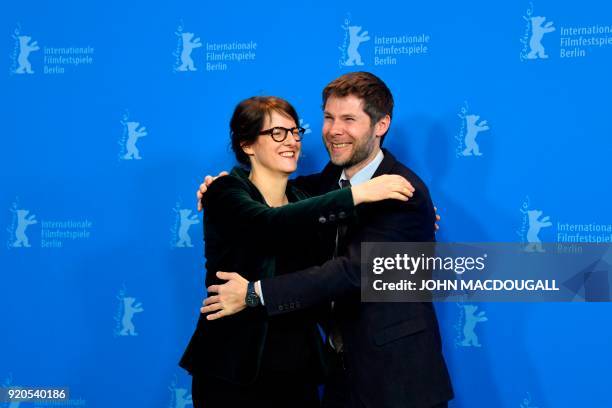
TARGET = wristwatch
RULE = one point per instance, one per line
(252, 299)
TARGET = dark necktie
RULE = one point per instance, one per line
(342, 228)
(335, 336)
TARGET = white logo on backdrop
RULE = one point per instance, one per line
(20, 222)
(185, 46)
(184, 219)
(532, 224)
(468, 321)
(526, 403)
(135, 132)
(132, 132)
(471, 126)
(353, 37)
(24, 46)
(179, 397)
(128, 307)
(24, 220)
(535, 29)
(55, 60)
(306, 127)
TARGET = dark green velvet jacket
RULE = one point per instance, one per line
(242, 234)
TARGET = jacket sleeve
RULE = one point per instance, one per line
(392, 221)
(230, 205)
(310, 184)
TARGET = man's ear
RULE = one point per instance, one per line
(381, 127)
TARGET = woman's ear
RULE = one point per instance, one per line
(247, 148)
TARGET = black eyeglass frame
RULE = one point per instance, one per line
(298, 138)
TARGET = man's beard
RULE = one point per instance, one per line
(361, 153)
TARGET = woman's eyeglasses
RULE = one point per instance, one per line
(279, 134)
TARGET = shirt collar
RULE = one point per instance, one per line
(367, 172)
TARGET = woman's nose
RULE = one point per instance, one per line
(291, 139)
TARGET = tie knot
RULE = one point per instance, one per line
(345, 183)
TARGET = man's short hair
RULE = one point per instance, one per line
(376, 96)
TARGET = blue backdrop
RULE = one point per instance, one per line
(112, 112)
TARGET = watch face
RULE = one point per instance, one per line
(252, 299)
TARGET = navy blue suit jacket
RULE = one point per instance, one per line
(392, 351)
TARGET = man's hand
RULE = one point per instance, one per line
(437, 218)
(204, 187)
(230, 297)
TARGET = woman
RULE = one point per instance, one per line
(258, 225)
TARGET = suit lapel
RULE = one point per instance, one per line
(329, 178)
(386, 165)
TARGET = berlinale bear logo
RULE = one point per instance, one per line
(188, 46)
(473, 128)
(129, 310)
(535, 225)
(535, 29)
(355, 40)
(186, 221)
(537, 33)
(25, 48)
(471, 319)
(23, 221)
(353, 37)
(134, 132)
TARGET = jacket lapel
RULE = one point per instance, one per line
(386, 165)
(329, 178)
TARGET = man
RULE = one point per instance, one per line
(384, 354)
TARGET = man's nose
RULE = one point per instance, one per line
(335, 128)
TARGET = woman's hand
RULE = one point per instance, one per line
(387, 186)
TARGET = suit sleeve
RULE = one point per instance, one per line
(310, 184)
(229, 204)
(391, 221)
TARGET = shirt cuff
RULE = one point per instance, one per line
(259, 292)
